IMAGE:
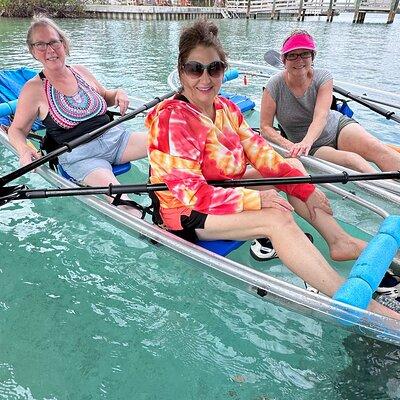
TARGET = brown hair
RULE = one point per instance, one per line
(201, 33)
(297, 32)
(42, 20)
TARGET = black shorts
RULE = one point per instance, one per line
(190, 223)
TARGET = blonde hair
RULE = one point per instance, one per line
(41, 20)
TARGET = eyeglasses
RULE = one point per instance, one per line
(195, 69)
(42, 46)
(295, 56)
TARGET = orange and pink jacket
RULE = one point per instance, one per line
(186, 148)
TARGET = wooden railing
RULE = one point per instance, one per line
(311, 6)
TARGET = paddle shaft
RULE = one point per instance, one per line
(110, 190)
(78, 141)
(386, 113)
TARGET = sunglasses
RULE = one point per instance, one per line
(295, 56)
(195, 69)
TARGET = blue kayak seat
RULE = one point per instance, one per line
(221, 247)
(117, 170)
(243, 102)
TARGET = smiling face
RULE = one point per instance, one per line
(202, 90)
(298, 61)
(51, 58)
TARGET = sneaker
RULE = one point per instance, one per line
(310, 288)
(261, 249)
(389, 302)
(390, 285)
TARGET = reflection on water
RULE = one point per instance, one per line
(88, 311)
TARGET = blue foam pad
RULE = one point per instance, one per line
(391, 226)
(375, 259)
(230, 75)
(8, 108)
(355, 292)
(121, 168)
(370, 267)
(221, 247)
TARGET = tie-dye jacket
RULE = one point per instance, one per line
(186, 148)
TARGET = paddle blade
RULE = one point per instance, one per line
(10, 193)
(272, 57)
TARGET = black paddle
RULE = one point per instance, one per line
(78, 141)
(11, 193)
(272, 57)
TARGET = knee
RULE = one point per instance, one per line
(353, 160)
(277, 220)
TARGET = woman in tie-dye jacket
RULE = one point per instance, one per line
(199, 136)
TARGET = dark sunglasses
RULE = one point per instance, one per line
(195, 69)
(295, 56)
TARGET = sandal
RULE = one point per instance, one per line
(261, 249)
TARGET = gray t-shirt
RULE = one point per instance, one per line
(295, 114)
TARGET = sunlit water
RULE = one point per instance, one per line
(87, 311)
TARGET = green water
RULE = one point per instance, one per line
(88, 311)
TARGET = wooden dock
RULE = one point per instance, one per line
(150, 12)
(277, 9)
(271, 9)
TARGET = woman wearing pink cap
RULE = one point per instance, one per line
(300, 98)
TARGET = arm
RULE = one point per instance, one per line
(176, 143)
(265, 159)
(321, 111)
(267, 114)
(27, 110)
(113, 97)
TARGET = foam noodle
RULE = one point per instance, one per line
(230, 75)
(8, 108)
(356, 292)
(371, 265)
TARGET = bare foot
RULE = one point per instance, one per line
(346, 248)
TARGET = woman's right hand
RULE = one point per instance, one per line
(27, 155)
(272, 199)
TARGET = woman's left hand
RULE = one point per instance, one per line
(317, 200)
(301, 148)
(121, 101)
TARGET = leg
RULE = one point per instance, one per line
(347, 159)
(292, 246)
(103, 177)
(355, 138)
(342, 246)
(136, 147)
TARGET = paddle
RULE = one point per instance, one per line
(272, 57)
(11, 193)
(78, 141)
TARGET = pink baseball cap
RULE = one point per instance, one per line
(299, 41)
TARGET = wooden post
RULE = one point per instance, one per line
(273, 9)
(299, 14)
(329, 15)
(248, 9)
(392, 13)
(356, 8)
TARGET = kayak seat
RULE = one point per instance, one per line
(117, 170)
(221, 247)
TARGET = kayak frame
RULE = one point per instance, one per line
(258, 283)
